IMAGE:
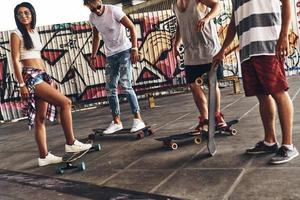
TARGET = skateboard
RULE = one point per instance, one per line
(140, 134)
(227, 129)
(171, 141)
(70, 158)
(212, 79)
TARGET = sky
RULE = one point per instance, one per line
(48, 12)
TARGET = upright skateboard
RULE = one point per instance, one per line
(70, 158)
(212, 78)
(171, 140)
(140, 134)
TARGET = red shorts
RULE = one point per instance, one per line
(263, 75)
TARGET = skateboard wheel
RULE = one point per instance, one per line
(91, 136)
(140, 135)
(199, 81)
(233, 132)
(174, 146)
(197, 140)
(59, 170)
(97, 147)
(81, 166)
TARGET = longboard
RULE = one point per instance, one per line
(70, 157)
(140, 134)
(171, 140)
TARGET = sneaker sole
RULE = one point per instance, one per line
(112, 132)
(260, 152)
(283, 161)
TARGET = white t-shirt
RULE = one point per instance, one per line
(112, 31)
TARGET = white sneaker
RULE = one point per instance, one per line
(49, 159)
(77, 147)
(137, 125)
(113, 128)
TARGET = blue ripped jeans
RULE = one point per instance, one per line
(119, 69)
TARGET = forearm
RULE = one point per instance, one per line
(177, 36)
(95, 44)
(18, 73)
(215, 10)
(133, 37)
(285, 17)
(230, 35)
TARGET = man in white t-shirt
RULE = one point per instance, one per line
(111, 22)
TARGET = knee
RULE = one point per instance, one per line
(67, 103)
(280, 96)
(40, 119)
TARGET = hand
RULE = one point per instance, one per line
(201, 24)
(282, 46)
(219, 56)
(93, 62)
(134, 56)
(24, 93)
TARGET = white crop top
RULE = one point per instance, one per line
(33, 53)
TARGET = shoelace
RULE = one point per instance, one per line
(282, 151)
(259, 144)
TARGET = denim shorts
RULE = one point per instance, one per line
(38, 79)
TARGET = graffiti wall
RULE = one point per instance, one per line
(67, 48)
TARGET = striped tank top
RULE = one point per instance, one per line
(258, 25)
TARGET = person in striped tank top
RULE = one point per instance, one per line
(262, 29)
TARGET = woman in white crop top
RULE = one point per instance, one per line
(36, 85)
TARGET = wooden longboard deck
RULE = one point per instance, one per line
(212, 78)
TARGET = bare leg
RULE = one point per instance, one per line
(137, 115)
(285, 113)
(117, 119)
(267, 113)
(51, 95)
(218, 105)
(40, 129)
(199, 99)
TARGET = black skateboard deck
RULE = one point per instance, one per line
(212, 78)
(70, 157)
(140, 134)
(171, 140)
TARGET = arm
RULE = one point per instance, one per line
(177, 39)
(15, 54)
(134, 49)
(95, 46)
(95, 42)
(282, 45)
(215, 9)
(231, 32)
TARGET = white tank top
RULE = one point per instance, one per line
(199, 47)
(33, 53)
